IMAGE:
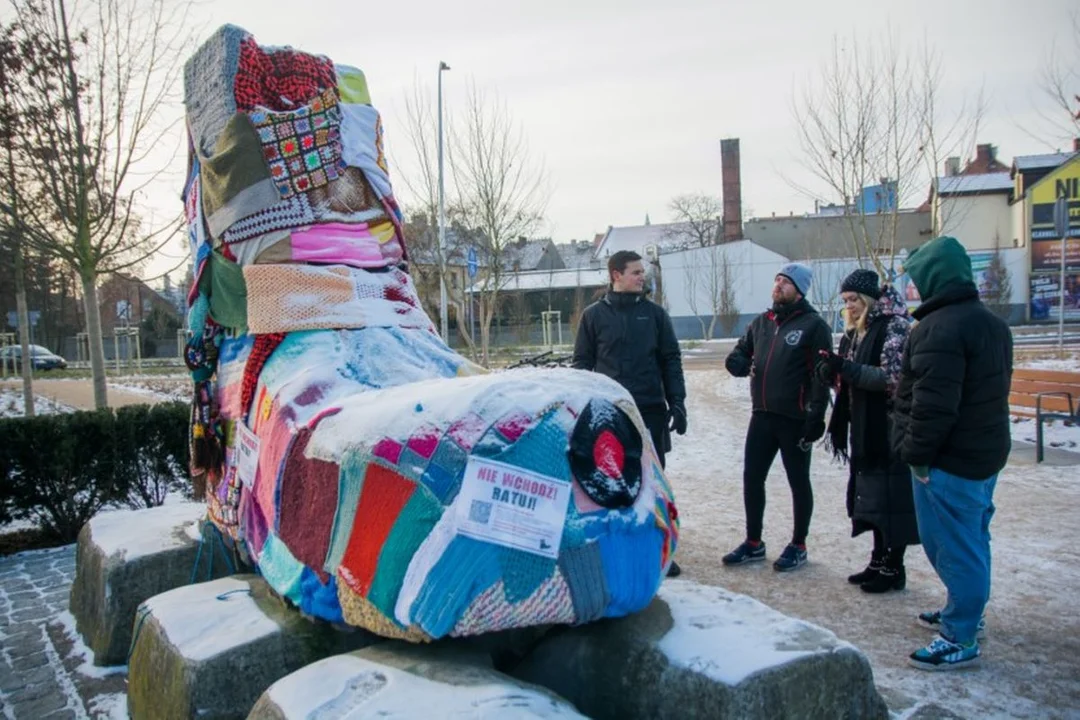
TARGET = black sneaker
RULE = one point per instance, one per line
(745, 553)
(932, 621)
(792, 558)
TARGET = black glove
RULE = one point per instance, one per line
(813, 431)
(677, 417)
(828, 366)
(738, 364)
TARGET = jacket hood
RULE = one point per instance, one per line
(938, 264)
(890, 304)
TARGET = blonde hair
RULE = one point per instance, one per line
(860, 326)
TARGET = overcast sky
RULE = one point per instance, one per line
(626, 102)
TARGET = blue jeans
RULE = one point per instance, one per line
(954, 525)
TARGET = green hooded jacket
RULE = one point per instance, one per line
(938, 264)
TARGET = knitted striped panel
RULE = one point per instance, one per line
(382, 499)
(354, 464)
(550, 604)
(415, 523)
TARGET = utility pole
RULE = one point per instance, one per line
(443, 322)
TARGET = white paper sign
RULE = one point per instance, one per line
(508, 506)
(247, 454)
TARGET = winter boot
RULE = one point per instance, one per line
(892, 575)
(877, 561)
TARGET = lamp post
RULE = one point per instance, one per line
(443, 323)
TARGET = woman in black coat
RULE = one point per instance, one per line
(865, 372)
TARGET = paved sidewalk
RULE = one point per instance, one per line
(79, 394)
(38, 670)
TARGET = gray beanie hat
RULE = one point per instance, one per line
(800, 275)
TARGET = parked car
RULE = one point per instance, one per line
(42, 358)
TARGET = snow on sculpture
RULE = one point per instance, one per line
(374, 476)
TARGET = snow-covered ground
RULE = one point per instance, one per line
(1032, 656)
(1031, 663)
(12, 403)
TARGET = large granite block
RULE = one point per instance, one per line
(210, 650)
(397, 680)
(125, 557)
(702, 652)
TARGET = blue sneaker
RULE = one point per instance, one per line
(745, 553)
(792, 558)
(944, 654)
(932, 621)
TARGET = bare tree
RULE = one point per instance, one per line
(421, 181)
(112, 67)
(710, 287)
(501, 191)
(697, 219)
(11, 124)
(871, 118)
(1059, 83)
(997, 282)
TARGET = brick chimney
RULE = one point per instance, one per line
(732, 189)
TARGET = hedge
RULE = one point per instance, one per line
(60, 470)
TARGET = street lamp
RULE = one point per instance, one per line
(443, 324)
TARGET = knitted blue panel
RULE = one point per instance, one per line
(523, 572)
(631, 559)
(466, 569)
(320, 600)
(584, 572)
(542, 449)
(443, 475)
(281, 569)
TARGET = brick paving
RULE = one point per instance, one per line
(39, 679)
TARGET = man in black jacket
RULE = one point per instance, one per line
(630, 339)
(779, 351)
(951, 425)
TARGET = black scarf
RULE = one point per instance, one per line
(864, 412)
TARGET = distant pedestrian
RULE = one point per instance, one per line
(952, 428)
(631, 340)
(778, 352)
(866, 370)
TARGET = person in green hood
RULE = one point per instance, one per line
(951, 426)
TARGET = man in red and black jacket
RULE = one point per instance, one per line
(778, 352)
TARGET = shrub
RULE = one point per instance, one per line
(60, 470)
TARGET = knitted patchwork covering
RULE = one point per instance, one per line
(395, 485)
(302, 146)
(279, 78)
(287, 298)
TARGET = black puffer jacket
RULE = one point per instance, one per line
(952, 404)
(781, 348)
(630, 339)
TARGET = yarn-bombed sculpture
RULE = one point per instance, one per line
(374, 476)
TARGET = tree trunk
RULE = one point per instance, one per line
(24, 330)
(93, 335)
